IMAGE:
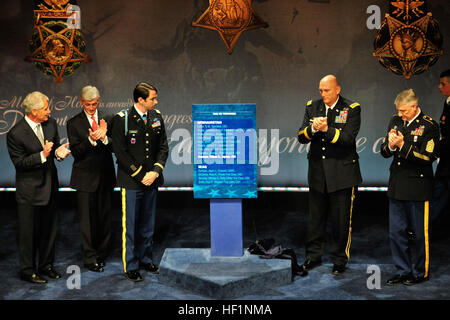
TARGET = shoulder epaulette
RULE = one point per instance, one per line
(427, 118)
(121, 114)
(157, 111)
(309, 103)
(354, 105)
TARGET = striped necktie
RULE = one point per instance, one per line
(39, 134)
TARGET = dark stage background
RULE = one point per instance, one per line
(277, 68)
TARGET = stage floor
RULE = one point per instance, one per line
(184, 223)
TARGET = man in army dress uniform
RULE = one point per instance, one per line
(442, 180)
(331, 124)
(141, 148)
(411, 140)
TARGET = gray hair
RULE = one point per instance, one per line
(34, 100)
(407, 97)
(89, 93)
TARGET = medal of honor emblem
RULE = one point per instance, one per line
(230, 18)
(57, 48)
(409, 40)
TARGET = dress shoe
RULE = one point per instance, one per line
(133, 275)
(398, 279)
(50, 272)
(309, 264)
(412, 280)
(101, 263)
(338, 269)
(150, 267)
(33, 278)
(95, 267)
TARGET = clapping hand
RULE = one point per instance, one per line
(396, 139)
(48, 146)
(320, 124)
(62, 152)
(100, 133)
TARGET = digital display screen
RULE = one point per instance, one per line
(225, 151)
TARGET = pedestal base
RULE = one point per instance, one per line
(222, 277)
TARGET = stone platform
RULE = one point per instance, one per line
(222, 277)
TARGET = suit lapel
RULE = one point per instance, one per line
(84, 121)
(28, 131)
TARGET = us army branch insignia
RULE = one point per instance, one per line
(409, 40)
(230, 18)
(57, 48)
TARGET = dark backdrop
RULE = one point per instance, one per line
(277, 68)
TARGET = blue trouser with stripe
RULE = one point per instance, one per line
(138, 224)
(413, 215)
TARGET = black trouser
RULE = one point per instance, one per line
(336, 207)
(95, 223)
(37, 234)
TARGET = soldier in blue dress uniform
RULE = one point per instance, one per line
(411, 140)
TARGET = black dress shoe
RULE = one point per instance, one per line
(150, 267)
(338, 269)
(398, 279)
(412, 280)
(101, 263)
(50, 272)
(133, 275)
(33, 278)
(95, 267)
(309, 264)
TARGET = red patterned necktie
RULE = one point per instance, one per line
(94, 124)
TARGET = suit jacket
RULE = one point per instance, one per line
(443, 168)
(411, 171)
(36, 182)
(333, 160)
(143, 148)
(92, 164)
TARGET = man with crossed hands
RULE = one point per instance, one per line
(140, 145)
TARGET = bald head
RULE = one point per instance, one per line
(329, 89)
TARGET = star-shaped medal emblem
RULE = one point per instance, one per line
(405, 48)
(230, 18)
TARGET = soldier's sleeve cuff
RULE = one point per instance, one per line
(335, 137)
(305, 133)
(138, 173)
(158, 167)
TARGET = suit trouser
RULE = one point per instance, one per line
(95, 223)
(441, 193)
(414, 215)
(37, 235)
(338, 208)
(138, 225)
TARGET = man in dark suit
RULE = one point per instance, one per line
(93, 176)
(442, 180)
(331, 125)
(140, 145)
(411, 140)
(33, 143)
